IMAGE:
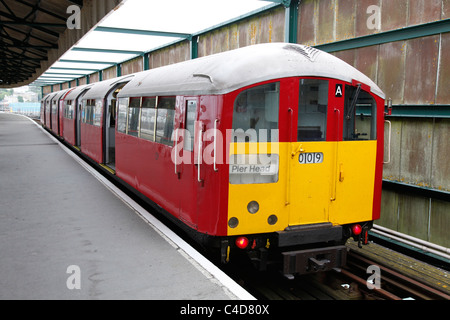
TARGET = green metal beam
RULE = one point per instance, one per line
(118, 70)
(291, 21)
(425, 192)
(144, 32)
(418, 31)
(421, 111)
(285, 3)
(64, 73)
(146, 61)
(86, 61)
(107, 51)
(54, 77)
(194, 47)
(86, 69)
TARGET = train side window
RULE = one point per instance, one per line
(54, 107)
(87, 113)
(68, 109)
(133, 117)
(191, 114)
(165, 120)
(122, 115)
(359, 115)
(148, 117)
(97, 112)
(312, 110)
(255, 114)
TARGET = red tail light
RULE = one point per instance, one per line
(242, 242)
(356, 229)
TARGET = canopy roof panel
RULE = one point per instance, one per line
(141, 26)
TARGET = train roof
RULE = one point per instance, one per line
(227, 71)
(100, 89)
(77, 91)
(59, 94)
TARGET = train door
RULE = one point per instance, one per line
(313, 154)
(356, 156)
(186, 164)
(79, 108)
(109, 126)
(78, 105)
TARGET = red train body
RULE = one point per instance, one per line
(182, 136)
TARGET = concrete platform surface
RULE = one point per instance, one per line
(61, 228)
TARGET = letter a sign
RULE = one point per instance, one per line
(338, 90)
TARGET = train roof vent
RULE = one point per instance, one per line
(306, 51)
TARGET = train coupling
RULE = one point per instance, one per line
(314, 260)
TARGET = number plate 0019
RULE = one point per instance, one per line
(310, 157)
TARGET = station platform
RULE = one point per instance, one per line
(65, 235)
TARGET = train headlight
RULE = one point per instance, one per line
(253, 207)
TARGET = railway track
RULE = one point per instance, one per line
(353, 281)
(393, 285)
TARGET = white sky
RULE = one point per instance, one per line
(181, 16)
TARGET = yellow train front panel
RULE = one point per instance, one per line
(299, 183)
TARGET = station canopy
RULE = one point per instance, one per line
(137, 27)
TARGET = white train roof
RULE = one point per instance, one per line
(100, 89)
(225, 72)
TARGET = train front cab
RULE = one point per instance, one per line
(321, 182)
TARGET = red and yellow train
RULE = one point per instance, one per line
(273, 149)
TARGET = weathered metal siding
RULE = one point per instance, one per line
(173, 54)
(109, 73)
(133, 66)
(94, 77)
(411, 72)
(268, 27)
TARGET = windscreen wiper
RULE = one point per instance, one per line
(353, 105)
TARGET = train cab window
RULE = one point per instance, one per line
(255, 114)
(312, 110)
(133, 117)
(165, 120)
(122, 115)
(148, 117)
(359, 115)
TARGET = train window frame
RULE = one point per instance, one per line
(356, 113)
(54, 107)
(68, 109)
(134, 116)
(251, 132)
(147, 105)
(190, 118)
(167, 130)
(312, 119)
(122, 115)
(97, 110)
